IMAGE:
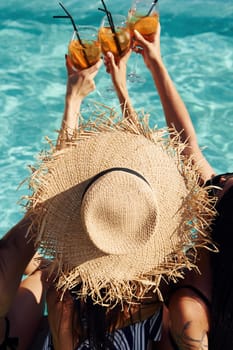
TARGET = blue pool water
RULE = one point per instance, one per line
(197, 46)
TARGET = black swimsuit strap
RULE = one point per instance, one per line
(215, 180)
(8, 343)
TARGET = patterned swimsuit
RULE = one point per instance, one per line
(132, 337)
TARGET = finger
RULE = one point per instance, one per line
(111, 59)
(93, 70)
(158, 30)
(139, 38)
(99, 64)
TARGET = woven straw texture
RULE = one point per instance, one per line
(117, 237)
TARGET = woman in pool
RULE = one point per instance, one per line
(201, 307)
(117, 304)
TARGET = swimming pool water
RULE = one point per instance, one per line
(197, 46)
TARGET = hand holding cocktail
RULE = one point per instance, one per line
(150, 51)
(143, 16)
(84, 47)
(114, 35)
(114, 38)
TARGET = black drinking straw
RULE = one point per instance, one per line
(152, 6)
(75, 30)
(72, 21)
(110, 21)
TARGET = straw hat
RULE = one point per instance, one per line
(118, 210)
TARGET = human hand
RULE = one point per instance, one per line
(150, 50)
(81, 82)
(117, 69)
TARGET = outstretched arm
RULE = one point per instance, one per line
(117, 71)
(188, 316)
(175, 111)
(79, 85)
(17, 247)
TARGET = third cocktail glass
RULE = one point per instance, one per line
(144, 17)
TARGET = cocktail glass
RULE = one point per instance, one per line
(115, 36)
(144, 17)
(84, 51)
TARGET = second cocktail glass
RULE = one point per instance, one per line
(114, 36)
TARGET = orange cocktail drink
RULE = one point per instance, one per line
(108, 40)
(86, 52)
(117, 39)
(143, 16)
(145, 25)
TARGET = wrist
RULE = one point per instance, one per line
(155, 62)
(158, 70)
(123, 95)
(72, 96)
(72, 103)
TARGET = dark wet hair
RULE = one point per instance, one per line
(221, 330)
(97, 327)
(95, 322)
